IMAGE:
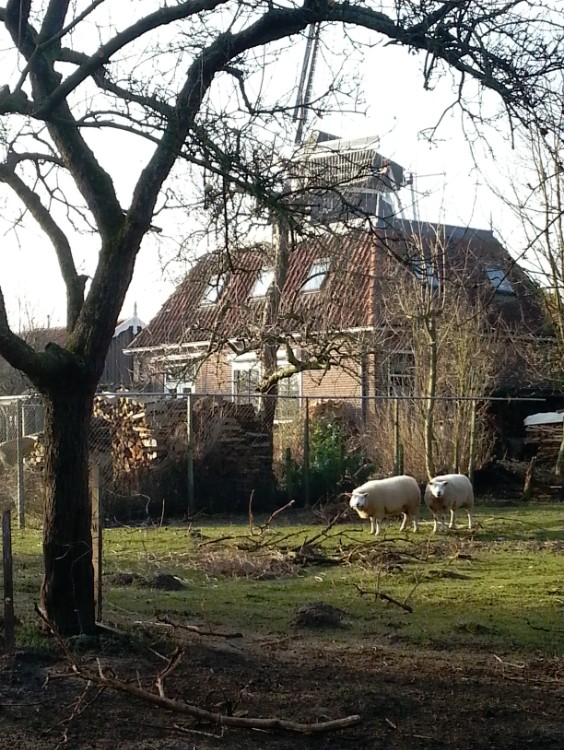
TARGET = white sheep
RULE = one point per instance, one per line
(380, 498)
(449, 492)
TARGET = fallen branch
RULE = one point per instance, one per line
(199, 631)
(385, 597)
(104, 679)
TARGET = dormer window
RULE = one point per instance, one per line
(316, 275)
(213, 290)
(263, 282)
(499, 280)
(424, 271)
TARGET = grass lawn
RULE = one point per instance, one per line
(499, 587)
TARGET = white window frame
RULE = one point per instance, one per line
(213, 290)
(499, 281)
(244, 363)
(263, 282)
(248, 362)
(316, 275)
(179, 377)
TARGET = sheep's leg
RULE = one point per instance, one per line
(452, 524)
(415, 523)
(435, 523)
(372, 526)
(377, 523)
(404, 522)
(470, 523)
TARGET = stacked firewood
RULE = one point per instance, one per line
(547, 438)
(119, 425)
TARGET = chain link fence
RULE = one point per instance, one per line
(161, 455)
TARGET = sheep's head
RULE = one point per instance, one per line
(438, 487)
(358, 500)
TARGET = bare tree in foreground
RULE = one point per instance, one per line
(68, 89)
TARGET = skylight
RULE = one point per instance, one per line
(263, 282)
(424, 271)
(213, 290)
(316, 275)
(499, 280)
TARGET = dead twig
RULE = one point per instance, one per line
(324, 532)
(173, 663)
(385, 597)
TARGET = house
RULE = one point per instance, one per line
(342, 316)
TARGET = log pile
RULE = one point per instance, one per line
(141, 445)
(120, 424)
(231, 451)
(547, 438)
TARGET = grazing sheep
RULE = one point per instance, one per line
(449, 492)
(380, 498)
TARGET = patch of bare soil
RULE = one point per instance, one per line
(406, 699)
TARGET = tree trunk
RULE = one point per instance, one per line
(270, 345)
(67, 592)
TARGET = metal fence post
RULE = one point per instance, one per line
(306, 454)
(190, 454)
(398, 458)
(20, 464)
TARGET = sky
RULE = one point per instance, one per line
(448, 185)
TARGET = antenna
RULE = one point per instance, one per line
(301, 108)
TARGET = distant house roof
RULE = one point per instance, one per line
(134, 322)
(362, 267)
(549, 417)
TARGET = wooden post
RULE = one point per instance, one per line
(20, 465)
(97, 525)
(529, 480)
(9, 619)
(190, 454)
(289, 471)
(306, 454)
(472, 447)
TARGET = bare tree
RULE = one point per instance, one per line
(538, 202)
(442, 326)
(66, 93)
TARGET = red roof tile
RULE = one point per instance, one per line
(363, 269)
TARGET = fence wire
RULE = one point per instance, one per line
(163, 455)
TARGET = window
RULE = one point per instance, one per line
(246, 376)
(288, 404)
(181, 379)
(401, 374)
(263, 282)
(316, 275)
(424, 271)
(213, 290)
(499, 280)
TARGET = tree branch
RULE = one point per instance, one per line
(73, 282)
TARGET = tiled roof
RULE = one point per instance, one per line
(363, 269)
